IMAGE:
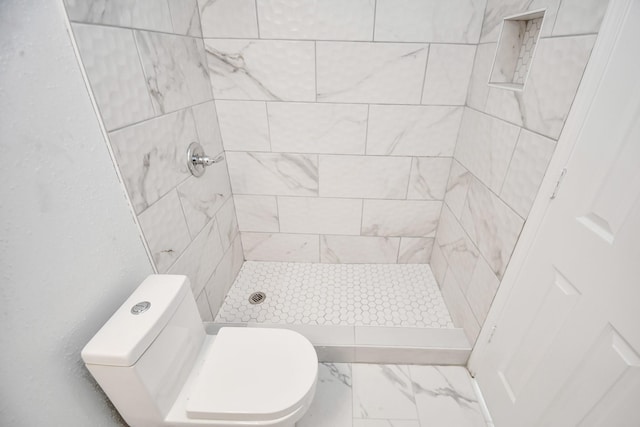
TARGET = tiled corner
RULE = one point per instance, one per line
(428, 179)
(208, 128)
(243, 125)
(415, 250)
(257, 213)
(448, 74)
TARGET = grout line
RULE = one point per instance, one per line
(315, 69)
(513, 153)
(302, 153)
(266, 109)
(341, 197)
(257, 19)
(511, 123)
(375, 13)
(336, 41)
(119, 27)
(354, 103)
(144, 73)
(366, 131)
(424, 78)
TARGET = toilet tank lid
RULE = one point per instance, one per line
(126, 336)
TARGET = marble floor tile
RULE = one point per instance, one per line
(383, 392)
(445, 397)
(331, 405)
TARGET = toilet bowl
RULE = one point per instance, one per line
(159, 368)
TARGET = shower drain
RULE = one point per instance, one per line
(257, 297)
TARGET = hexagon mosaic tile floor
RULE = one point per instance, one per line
(405, 295)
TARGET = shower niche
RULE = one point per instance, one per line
(516, 49)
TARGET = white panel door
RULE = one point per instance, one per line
(566, 349)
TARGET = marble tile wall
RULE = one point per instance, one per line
(504, 145)
(339, 119)
(147, 67)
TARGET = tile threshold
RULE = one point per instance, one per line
(376, 344)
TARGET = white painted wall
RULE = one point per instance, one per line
(69, 249)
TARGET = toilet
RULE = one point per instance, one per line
(157, 365)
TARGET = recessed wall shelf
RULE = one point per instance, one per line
(516, 48)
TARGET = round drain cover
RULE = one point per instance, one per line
(257, 297)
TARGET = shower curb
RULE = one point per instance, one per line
(376, 344)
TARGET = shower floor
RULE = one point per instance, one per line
(387, 295)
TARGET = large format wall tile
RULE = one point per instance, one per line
(386, 73)
(459, 307)
(202, 197)
(526, 171)
(175, 70)
(485, 146)
(452, 21)
(457, 188)
(261, 69)
(316, 20)
(280, 247)
(257, 213)
(271, 173)
(111, 61)
(553, 81)
(228, 18)
(448, 73)
(227, 223)
(359, 249)
(185, 17)
(456, 246)
(151, 156)
(492, 225)
(224, 275)
(243, 125)
(317, 128)
(319, 215)
(145, 14)
(413, 130)
(481, 289)
(579, 17)
(428, 179)
(409, 218)
(364, 176)
(200, 259)
(165, 231)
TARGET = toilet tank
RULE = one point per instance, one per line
(142, 356)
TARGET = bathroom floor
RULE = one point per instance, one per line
(405, 295)
(362, 395)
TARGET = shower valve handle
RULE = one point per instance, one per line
(197, 160)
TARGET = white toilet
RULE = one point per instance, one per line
(159, 368)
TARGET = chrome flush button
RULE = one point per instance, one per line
(140, 307)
